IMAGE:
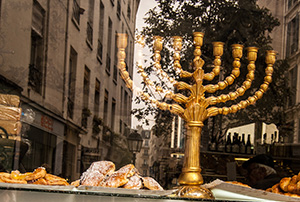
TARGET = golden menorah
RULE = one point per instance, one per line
(196, 108)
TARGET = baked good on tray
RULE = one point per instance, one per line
(96, 173)
(289, 186)
(38, 176)
(103, 174)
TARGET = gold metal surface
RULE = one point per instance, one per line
(196, 108)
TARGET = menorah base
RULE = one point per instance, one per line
(194, 191)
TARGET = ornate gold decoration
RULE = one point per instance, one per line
(197, 107)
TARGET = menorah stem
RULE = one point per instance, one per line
(191, 167)
(190, 178)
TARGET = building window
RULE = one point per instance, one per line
(293, 85)
(36, 66)
(121, 103)
(127, 53)
(97, 97)
(101, 28)
(298, 130)
(89, 28)
(72, 82)
(76, 12)
(115, 74)
(146, 144)
(108, 60)
(291, 3)
(113, 114)
(145, 162)
(125, 105)
(119, 9)
(130, 58)
(120, 126)
(86, 92)
(145, 172)
(105, 107)
(128, 11)
(292, 36)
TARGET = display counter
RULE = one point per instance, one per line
(45, 193)
(38, 193)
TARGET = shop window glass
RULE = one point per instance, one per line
(69, 151)
(41, 150)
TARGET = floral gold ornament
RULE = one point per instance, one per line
(197, 108)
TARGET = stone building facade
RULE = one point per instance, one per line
(286, 43)
(60, 57)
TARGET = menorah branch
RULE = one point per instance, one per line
(252, 56)
(237, 53)
(218, 52)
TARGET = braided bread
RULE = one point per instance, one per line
(289, 186)
(38, 176)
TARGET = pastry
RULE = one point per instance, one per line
(135, 182)
(276, 189)
(55, 180)
(6, 177)
(40, 181)
(75, 183)
(151, 184)
(96, 173)
(36, 174)
(289, 186)
(120, 177)
(238, 183)
(284, 182)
